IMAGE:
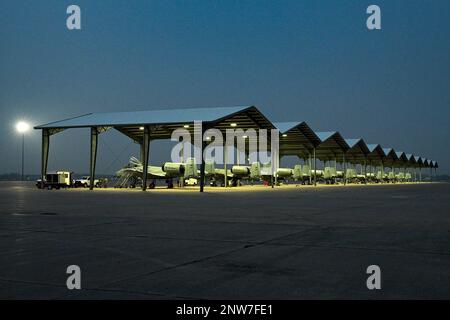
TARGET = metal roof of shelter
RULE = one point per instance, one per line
(164, 121)
(402, 158)
(358, 150)
(296, 138)
(401, 155)
(376, 154)
(418, 160)
(391, 157)
(411, 159)
(331, 146)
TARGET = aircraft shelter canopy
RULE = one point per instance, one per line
(332, 146)
(358, 150)
(296, 138)
(376, 154)
(163, 122)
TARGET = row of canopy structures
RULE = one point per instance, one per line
(295, 138)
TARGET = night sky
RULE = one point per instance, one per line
(312, 61)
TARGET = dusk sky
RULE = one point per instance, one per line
(312, 61)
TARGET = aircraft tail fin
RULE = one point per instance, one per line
(209, 167)
(190, 170)
(297, 171)
(255, 170)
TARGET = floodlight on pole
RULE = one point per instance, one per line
(22, 127)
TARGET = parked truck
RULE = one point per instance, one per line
(86, 182)
(56, 180)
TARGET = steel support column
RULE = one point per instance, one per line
(145, 148)
(94, 145)
(344, 169)
(202, 161)
(181, 182)
(202, 168)
(310, 168)
(315, 167)
(225, 160)
(44, 152)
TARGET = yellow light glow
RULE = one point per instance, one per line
(141, 128)
(186, 126)
(285, 135)
(233, 124)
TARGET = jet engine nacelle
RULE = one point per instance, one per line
(173, 169)
(242, 171)
(284, 172)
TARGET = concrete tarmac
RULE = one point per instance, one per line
(245, 243)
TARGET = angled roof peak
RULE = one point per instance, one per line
(325, 135)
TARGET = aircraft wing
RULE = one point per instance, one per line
(221, 172)
(156, 172)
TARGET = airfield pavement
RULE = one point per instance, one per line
(243, 243)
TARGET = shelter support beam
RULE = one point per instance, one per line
(44, 153)
(93, 162)
(202, 161)
(225, 160)
(310, 168)
(344, 169)
(315, 167)
(145, 148)
(365, 171)
(181, 179)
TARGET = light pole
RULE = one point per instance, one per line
(22, 127)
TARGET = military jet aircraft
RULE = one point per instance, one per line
(131, 174)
